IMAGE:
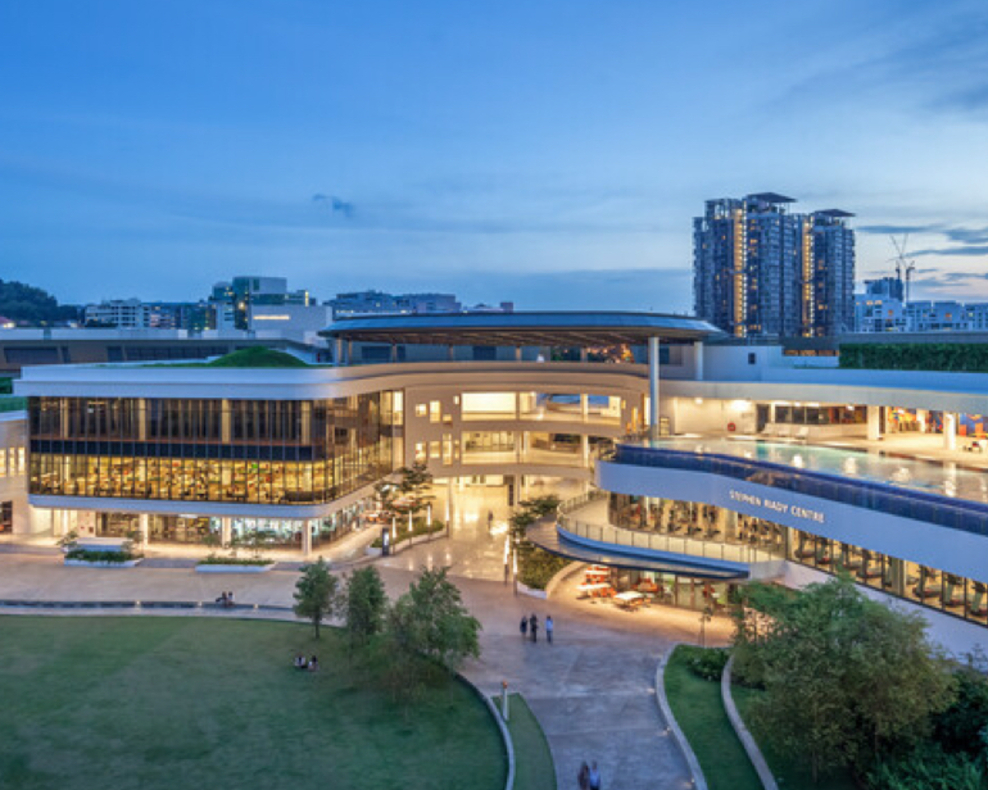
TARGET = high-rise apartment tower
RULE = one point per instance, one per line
(761, 271)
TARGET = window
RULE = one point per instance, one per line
(6, 516)
(435, 411)
(434, 449)
(752, 358)
(420, 457)
(421, 410)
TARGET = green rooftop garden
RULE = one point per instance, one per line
(257, 357)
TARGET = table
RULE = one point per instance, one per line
(630, 599)
(593, 588)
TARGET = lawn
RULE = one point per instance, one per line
(100, 702)
(789, 773)
(534, 769)
(699, 710)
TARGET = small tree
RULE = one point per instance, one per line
(429, 621)
(414, 482)
(364, 605)
(316, 593)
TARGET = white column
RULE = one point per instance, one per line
(226, 530)
(949, 430)
(653, 386)
(585, 447)
(349, 352)
(517, 353)
(143, 527)
(394, 352)
(874, 424)
(338, 351)
(306, 537)
(923, 418)
(583, 353)
(226, 432)
(449, 353)
(698, 360)
(584, 406)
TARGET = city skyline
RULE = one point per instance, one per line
(553, 155)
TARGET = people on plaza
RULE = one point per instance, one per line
(533, 626)
(222, 599)
(583, 778)
(490, 520)
(313, 664)
(549, 625)
(229, 598)
(524, 626)
(594, 777)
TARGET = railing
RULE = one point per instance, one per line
(653, 541)
(960, 514)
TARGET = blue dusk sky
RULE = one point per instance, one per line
(550, 153)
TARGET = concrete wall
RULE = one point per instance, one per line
(13, 480)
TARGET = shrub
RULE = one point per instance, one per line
(705, 662)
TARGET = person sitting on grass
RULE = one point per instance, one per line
(313, 664)
(300, 662)
(222, 599)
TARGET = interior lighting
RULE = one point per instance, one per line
(698, 401)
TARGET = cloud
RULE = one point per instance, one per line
(896, 230)
(967, 251)
(334, 204)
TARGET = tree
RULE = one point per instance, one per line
(364, 605)
(429, 621)
(316, 595)
(413, 484)
(843, 674)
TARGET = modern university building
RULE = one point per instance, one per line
(700, 464)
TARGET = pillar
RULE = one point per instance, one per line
(449, 353)
(394, 352)
(226, 530)
(306, 537)
(517, 353)
(338, 351)
(874, 423)
(698, 360)
(653, 387)
(349, 352)
(583, 354)
(923, 418)
(143, 528)
(584, 406)
(949, 430)
(585, 448)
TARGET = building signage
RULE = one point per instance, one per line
(778, 507)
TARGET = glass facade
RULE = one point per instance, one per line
(250, 451)
(706, 524)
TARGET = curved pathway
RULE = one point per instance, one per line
(592, 690)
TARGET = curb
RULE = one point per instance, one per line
(747, 741)
(556, 580)
(699, 780)
(509, 745)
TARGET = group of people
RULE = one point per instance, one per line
(311, 664)
(530, 626)
(589, 777)
(226, 599)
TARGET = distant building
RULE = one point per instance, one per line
(380, 303)
(135, 314)
(234, 299)
(760, 271)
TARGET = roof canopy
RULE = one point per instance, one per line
(521, 329)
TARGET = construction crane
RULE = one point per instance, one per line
(904, 267)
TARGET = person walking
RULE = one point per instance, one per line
(594, 777)
(583, 778)
(549, 625)
(523, 627)
(533, 626)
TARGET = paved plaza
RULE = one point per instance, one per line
(592, 689)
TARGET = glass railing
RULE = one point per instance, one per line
(965, 515)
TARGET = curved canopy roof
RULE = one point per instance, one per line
(520, 329)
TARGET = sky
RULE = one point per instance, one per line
(547, 153)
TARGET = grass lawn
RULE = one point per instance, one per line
(151, 702)
(789, 773)
(534, 769)
(698, 708)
